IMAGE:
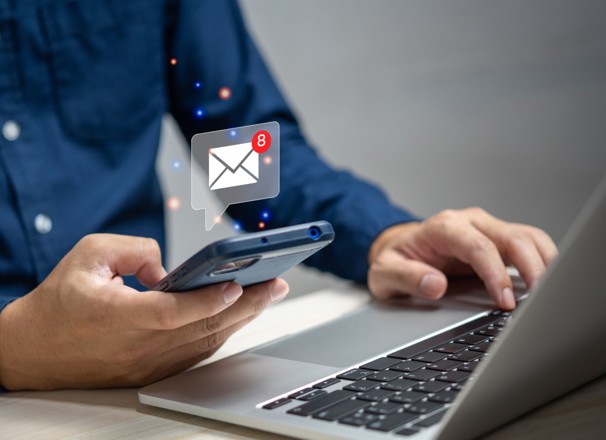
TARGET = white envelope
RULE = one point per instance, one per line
(235, 165)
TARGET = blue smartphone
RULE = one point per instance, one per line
(249, 258)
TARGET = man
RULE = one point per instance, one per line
(83, 87)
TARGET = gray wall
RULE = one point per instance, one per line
(445, 103)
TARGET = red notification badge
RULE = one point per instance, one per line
(261, 141)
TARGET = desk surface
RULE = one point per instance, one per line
(118, 413)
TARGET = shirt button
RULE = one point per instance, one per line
(43, 224)
(11, 131)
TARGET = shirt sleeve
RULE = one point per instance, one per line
(211, 50)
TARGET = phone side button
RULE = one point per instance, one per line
(163, 286)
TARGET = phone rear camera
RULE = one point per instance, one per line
(313, 232)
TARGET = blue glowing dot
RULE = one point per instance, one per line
(237, 226)
(199, 113)
(176, 165)
(265, 215)
(197, 85)
(233, 133)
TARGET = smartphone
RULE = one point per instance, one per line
(249, 258)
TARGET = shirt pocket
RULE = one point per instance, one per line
(106, 65)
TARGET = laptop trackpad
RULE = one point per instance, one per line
(375, 329)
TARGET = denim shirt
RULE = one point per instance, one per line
(84, 85)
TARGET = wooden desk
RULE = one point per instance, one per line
(117, 414)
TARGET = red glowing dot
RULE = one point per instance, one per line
(173, 203)
(218, 219)
(267, 160)
(224, 93)
(261, 225)
(173, 61)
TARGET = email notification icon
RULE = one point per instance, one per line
(234, 165)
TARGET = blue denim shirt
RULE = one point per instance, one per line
(83, 88)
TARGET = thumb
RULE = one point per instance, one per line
(125, 255)
(392, 274)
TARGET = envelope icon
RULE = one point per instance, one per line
(235, 165)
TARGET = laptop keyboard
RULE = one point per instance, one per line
(405, 391)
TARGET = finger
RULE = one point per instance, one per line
(187, 355)
(392, 274)
(522, 252)
(469, 245)
(111, 255)
(202, 346)
(254, 300)
(545, 245)
(170, 310)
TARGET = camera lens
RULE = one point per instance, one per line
(313, 232)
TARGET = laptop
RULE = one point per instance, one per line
(414, 368)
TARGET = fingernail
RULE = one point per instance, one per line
(232, 292)
(507, 298)
(278, 291)
(430, 285)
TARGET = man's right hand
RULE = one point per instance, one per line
(83, 328)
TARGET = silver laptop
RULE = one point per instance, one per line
(415, 368)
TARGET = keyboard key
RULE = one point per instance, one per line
(277, 403)
(408, 397)
(457, 386)
(445, 365)
(408, 366)
(384, 376)
(354, 374)
(392, 421)
(300, 393)
(422, 374)
(490, 331)
(469, 366)
(375, 395)
(482, 347)
(326, 383)
(383, 408)
(501, 322)
(431, 420)
(447, 396)
(399, 384)
(412, 351)
(341, 409)
(424, 407)
(359, 419)
(361, 386)
(470, 339)
(466, 356)
(321, 403)
(407, 432)
(430, 357)
(451, 348)
(313, 395)
(380, 364)
(431, 387)
(454, 376)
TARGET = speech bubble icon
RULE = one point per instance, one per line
(240, 164)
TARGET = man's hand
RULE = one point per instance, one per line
(415, 258)
(83, 328)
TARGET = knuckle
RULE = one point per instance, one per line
(476, 211)
(210, 342)
(214, 324)
(92, 242)
(258, 305)
(150, 246)
(480, 245)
